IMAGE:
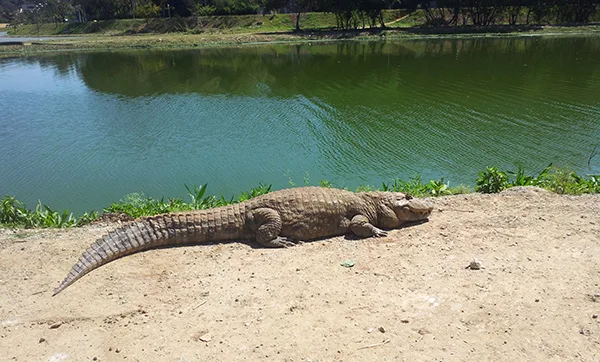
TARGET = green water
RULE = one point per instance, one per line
(81, 130)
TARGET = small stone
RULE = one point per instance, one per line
(42, 340)
(348, 263)
(474, 265)
(381, 329)
(405, 321)
(423, 331)
(95, 359)
(56, 325)
(595, 316)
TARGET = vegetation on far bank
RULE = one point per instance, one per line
(418, 21)
(218, 31)
(184, 24)
(188, 40)
(14, 213)
(347, 14)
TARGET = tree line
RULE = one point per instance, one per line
(489, 12)
(348, 13)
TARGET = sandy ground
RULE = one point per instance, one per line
(408, 297)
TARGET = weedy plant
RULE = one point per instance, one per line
(565, 181)
(326, 184)
(196, 193)
(491, 181)
(559, 180)
(521, 179)
(255, 191)
(137, 205)
(415, 187)
(14, 213)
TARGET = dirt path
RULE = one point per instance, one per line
(409, 296)
(397, 20)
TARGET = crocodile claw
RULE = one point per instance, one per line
(379, 233)
(285, 242)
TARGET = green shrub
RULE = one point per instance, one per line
(14, 213)
(521, 179)
(559, 180)
(491, 180)
(205, 10)
(565, 181)
(415, 187)
(256, 191)
(148, 10)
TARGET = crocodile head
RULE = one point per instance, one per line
(395, 209)
(409, 209)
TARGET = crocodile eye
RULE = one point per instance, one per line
(408, 197)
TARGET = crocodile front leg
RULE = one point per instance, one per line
(361, 226)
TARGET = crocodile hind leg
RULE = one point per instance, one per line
(269, 227)
(361, 226)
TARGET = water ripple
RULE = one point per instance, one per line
(107, 124)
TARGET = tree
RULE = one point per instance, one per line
(182, 8)
(8, 10)
(513, 10)
(147, 10)
(300, 6)
(106, 9)
(483, 12)
(57, 10)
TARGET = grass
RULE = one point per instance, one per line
(195, 39)
(196, 25)
(136, 204)
(211, 31)
(14, 213)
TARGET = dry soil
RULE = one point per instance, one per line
(409, 296)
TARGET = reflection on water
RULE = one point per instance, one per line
(81, 130)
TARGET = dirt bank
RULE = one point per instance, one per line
(173, 41)
(409, 296)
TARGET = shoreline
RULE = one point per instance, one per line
(185, 41)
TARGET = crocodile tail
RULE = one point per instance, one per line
(224, 223)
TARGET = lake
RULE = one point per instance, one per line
(79, 131)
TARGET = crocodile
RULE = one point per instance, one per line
(277, 219)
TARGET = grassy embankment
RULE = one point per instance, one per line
(246, 29)
(563, 181)
(195, 25)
